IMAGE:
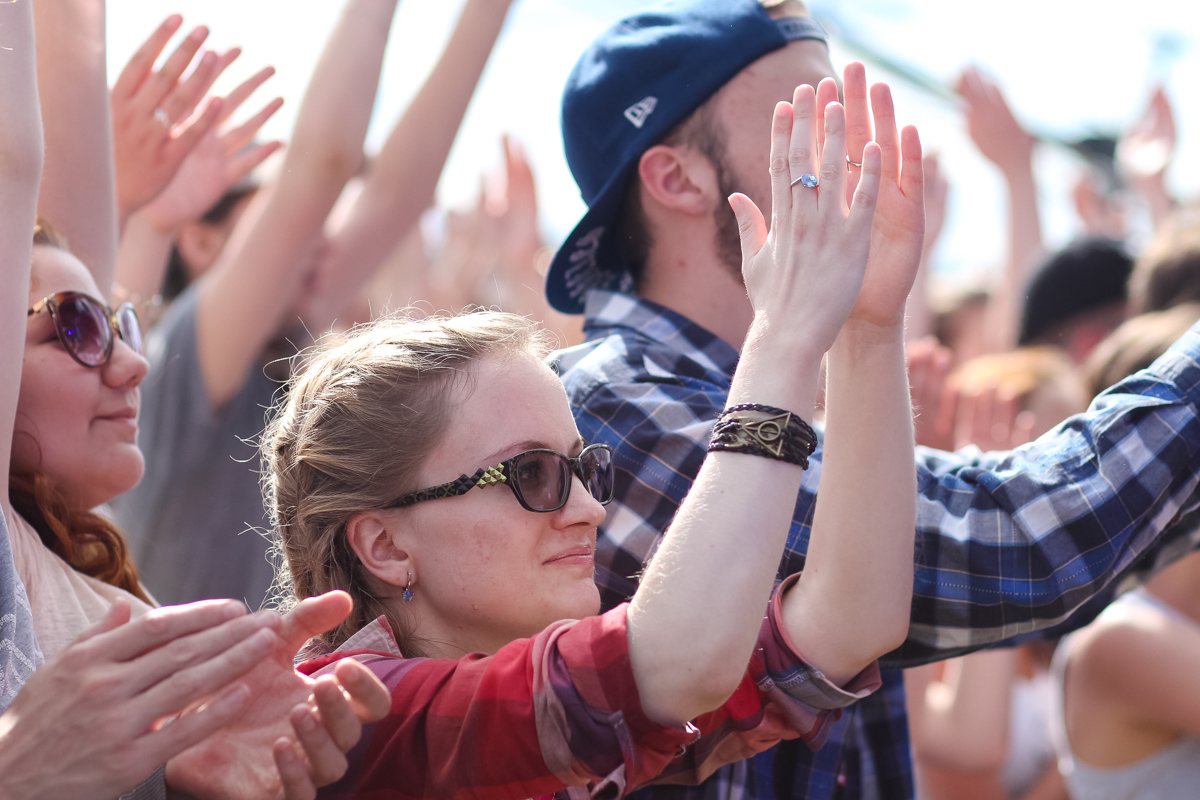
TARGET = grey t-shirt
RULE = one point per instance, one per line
(19, 652)
(196, 523)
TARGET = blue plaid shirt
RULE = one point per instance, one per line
(1007, 543)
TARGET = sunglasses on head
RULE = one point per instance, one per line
(541, 479)
(88, 327)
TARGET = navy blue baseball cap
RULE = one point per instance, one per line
(635, 83)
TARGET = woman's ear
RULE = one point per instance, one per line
(370, 534)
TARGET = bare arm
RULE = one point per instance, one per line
(402, 179)
(78, 193)
(1002, 140)
(246, 297)
(961, 720)
(695, 617)
(20, 174)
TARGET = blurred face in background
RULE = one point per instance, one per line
(75, 424)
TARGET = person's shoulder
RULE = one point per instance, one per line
(1126, 641)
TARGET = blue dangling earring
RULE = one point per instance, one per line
(408, 595)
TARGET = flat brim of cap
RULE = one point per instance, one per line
(587, 258)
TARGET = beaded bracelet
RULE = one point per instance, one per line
(766, 431)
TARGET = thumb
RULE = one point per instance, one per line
(752, 228)
(313, 616)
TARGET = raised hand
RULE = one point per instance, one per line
(898, 229)
(153, 125)
(1147, 147)
(991, 124)
(990, 420)
(246, 758)
(216, 163)
(933, 403)
(803, 275)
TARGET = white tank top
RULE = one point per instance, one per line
(1168, 774)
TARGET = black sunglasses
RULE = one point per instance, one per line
(86, 326)
(541, 479)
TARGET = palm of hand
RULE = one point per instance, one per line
(236, 763)
(199, 183)
(897, 237)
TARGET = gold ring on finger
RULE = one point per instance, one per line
(850, 163)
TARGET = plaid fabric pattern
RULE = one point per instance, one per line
(560, 712)
(1007, 543)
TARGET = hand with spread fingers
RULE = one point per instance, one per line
(898, 229)
(292, 735)
(803, 274)
(152, 112)
(216, 163)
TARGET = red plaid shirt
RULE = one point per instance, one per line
(560, 713)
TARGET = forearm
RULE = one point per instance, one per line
(20, 174)
(851, 605)
(1025, 250)
(696, 615)
(404, 176)
(78, 194)
(247, 296)
(142, 258)
(964, 717)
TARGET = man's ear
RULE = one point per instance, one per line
(679, 178)
(370, 534)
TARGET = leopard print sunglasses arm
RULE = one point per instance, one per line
(483, 477)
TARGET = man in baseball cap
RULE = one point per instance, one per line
(664, 116)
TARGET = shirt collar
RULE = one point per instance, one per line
(606, 310)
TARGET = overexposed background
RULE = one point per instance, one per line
(1068, 67)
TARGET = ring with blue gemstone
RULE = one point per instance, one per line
(808, 180)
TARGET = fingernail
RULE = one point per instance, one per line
(268, 619)
(309, 723)
(263, 640)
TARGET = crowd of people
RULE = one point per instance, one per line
(242, 374)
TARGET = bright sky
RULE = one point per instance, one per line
(1067, 66)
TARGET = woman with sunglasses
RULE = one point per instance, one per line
(433, 470)
(89, 671)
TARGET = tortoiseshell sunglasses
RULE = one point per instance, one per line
(88, 328)
(540, 479)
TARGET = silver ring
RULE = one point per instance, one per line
(807, 180)
(163, 118)
(850, 163)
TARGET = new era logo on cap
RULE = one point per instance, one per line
(638, 112)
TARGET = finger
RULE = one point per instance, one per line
(336, 714)
(886, 135)
(1004, 423)
(369, 698)
(163, 81)
(326, 761)
(237, 138)
(858, 115)
(197, 648)
(161, 625)
(243, 164)
(178, 735)
(832, 197)
(297, 784)
(200, 81)
(983, 423)
(142, 62)
(313, 616)
(183, 98)
(862, 209)
(827, 92)
(912, 173)
(186, 139)
(1023, 429)
(802, 149)
(243, 90)
(781, 174)
(752, 228)
(183, 688)
(116, 616)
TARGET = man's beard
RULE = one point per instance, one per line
(729, 239)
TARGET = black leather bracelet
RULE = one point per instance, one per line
(766, 431)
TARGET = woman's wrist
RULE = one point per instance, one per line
(778, 372)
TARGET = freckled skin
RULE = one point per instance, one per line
(485, 565)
